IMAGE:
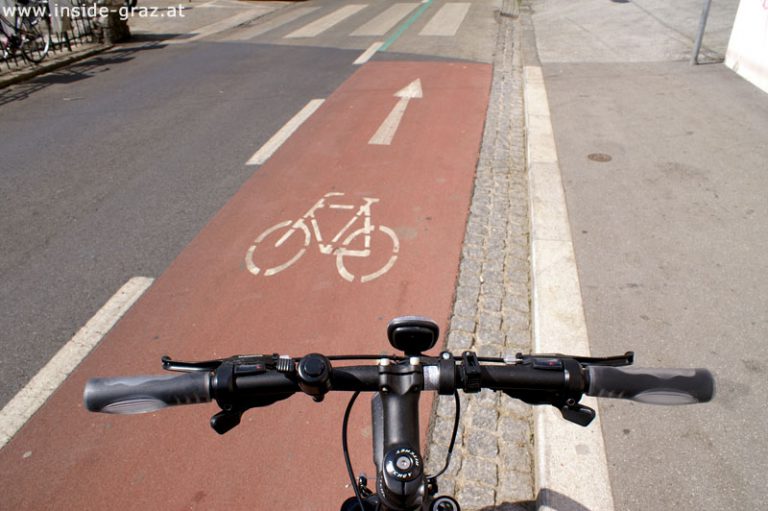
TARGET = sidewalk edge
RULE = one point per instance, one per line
(570, 463)
(52, 65)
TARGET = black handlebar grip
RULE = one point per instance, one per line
(653, 386)
(140, 394)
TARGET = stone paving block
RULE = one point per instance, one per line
(506, 506)
(515, 408)
(487, 397)
(491, 466)
(458, 340)
(463, 324)
(476, 497)
(465, 308)
(469, 270)
(489, 350)
(512, 484)
(516, 459)
(468, 292)
(513, 431)
(516, 303)
(483, 444)
(489, 323)
(485, 472)
(483, 418)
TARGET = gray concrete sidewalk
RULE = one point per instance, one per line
(629, 31)
(663, 168)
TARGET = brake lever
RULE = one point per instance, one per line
(190, 367)
(567, 400)
(226, 370)
(626, 359)
(245, 364)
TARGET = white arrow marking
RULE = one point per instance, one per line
(386, 131)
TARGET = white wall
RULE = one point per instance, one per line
(748, 48)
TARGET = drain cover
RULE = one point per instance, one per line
(600, 157)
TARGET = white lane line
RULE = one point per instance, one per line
(447, 20)
(367, 54)
(272, 24)
(570, 460)
(219, 4)
(219, 26)
(320, 25)
(284, 133)
(385, 21)
(29, 399)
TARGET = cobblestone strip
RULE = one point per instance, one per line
(491, 468)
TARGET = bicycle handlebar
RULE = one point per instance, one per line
(241, 383)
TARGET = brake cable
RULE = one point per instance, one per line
(345, 448)
(456, 418)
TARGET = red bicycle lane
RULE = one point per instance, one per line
(209, 304)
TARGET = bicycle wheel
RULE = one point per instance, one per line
(7, 38)
(273, 246)
(35, 34)
(373, 245)
(5, 47)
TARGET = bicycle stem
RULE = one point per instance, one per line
(401, 480)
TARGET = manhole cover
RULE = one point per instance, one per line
(620, 1)
(600, 157)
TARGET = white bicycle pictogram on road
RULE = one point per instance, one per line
(339, 246)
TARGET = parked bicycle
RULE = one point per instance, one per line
(243, 382)
(29, 33)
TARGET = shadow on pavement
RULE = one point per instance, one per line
(552, 499)
(75, 72)
(558, 502)
(526, 505)
(143, 37)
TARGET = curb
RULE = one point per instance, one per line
(491, 467)
(571, 469)
(47, 67)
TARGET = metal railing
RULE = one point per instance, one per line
(71, 26)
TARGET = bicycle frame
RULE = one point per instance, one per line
(7, 39)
